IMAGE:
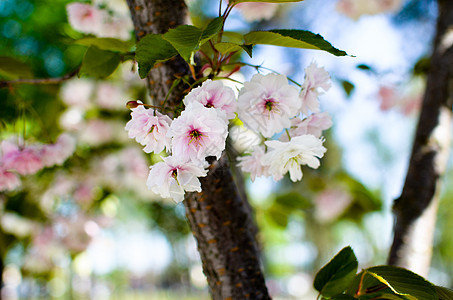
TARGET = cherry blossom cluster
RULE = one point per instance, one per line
(111, 22)
(27, 160)
(267, 105)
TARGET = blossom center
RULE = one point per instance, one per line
(269, 104)
(195, 135)
(174, 173)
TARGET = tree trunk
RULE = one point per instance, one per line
(415, 210)
(220, 216)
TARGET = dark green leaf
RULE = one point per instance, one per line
(404, 282)
(11, 68)
(152, 49)
(444, 293)
(347, 86)
(364, 67)
(292, 38)
(99, 63)
(335, 277)
(422, 66)
(342, 297)
(187, 39)
(110, 44)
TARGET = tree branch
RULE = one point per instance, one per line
(415, 210)
(38, 81)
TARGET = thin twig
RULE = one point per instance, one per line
(38, 81)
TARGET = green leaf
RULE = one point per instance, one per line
(99, 63)
(267, 1)
(109, 44)
(337, 275)
(342, 297)
(278, 215)
(444, 293)
(226, 48)
(404, 282)
(292, 38)
(348, 87)
(293, 200)
(152, 49)
(187, 39)
(11, 68)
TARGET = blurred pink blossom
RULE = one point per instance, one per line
(252, 163)
(316, 79)
(331, 203)
(56, 154)
(24, 161)
(255, 11)
(85, 17)
(8, 180)
(356, 8)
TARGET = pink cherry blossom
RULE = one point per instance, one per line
(8, 180)
(331, 203)
(198, 132)
(85, 18)
(356, 8)
(314, 124)
(267, 102)
(149, 128)
(172, 178)
(214, 94)
(117, 27)
(24, 161)
(252, 163)
(257, 11)
(56, 154)
(284, 157)
(315, 79)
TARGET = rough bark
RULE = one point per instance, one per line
(415, 210)
(220, 217)
(157, 16)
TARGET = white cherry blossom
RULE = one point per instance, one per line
(267, 102)
(284, 157)
(214, 94)
(172, 178)
(198, 132)
(314, 124)
(85, 17)
(149, 128)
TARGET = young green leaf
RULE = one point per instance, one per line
(335, 277)
(11, 68)
(109, 44)
(292, 38)
(404, 282)
(99, 63)
(226, 48)
(187, 39)
(152, 49)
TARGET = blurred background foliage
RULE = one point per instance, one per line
(91, 230)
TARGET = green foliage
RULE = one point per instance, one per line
(337, 280)
(292, 38)
(337, 275)
(99, 63)
(187, 39)
(228, 47)
(109, 44)
(11, 68)
(152, 49)
(348, 87)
